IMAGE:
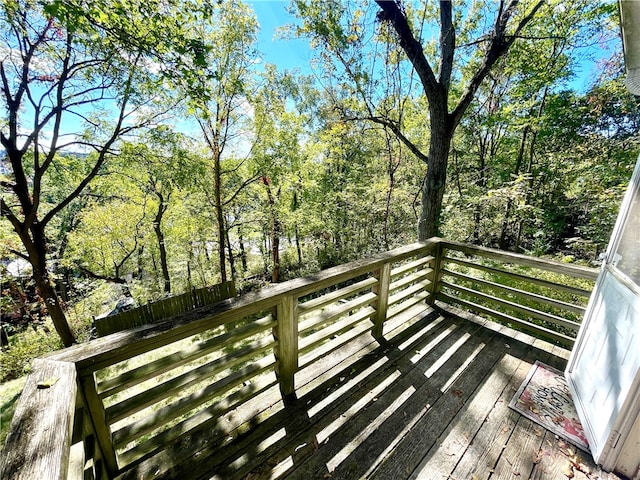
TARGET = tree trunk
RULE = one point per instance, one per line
(217, 199)
(232, 263)
(433, 187)
(276, 231)
(298, 248)
(243, 252)
(157, 228)
(37, 248)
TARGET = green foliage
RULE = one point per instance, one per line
(534, 166)
(16, 358)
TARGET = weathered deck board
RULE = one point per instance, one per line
(429, 403)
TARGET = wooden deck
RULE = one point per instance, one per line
(431, 403)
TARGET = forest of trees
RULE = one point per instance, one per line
(148, 145)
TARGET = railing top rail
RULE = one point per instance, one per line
(579, 271)
(114, 348)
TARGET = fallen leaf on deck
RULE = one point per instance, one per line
(458, 393)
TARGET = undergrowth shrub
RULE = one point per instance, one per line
(16, 358)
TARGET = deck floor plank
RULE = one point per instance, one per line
(459, 439)
(490, 440)
(430, 402)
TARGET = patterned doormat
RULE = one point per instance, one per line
(544, 398)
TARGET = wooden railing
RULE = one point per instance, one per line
(97, 410)
(543, 297)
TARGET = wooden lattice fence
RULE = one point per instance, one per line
(162, 309)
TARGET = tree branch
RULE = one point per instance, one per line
(391, 12)
(499, 45)
(398, 133)
(97, 276)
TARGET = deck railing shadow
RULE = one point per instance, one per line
(212, 369)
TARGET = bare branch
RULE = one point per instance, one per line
(398, 133)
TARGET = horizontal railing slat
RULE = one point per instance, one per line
(521, 293)
(154, 368)
(204, 419)
(165, 389)
(547, 317)
(413, 289)
(335, 296)
(519, 259)
(405, 303)
(522, 278)
(409, 279)
(332, 313)
(409, 266)
(548, 333)
(310, 342)
(185, 404)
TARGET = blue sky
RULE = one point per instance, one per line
(296, 53)
(286, 54)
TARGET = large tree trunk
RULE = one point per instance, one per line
(37, 248)
(436, 88)
(435, 181)
(276, 231)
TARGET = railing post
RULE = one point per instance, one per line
(286, 352)
(38, 444)
(98, 418)
(381, 289)
(436, 275)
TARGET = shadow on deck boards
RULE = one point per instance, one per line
(430, 403)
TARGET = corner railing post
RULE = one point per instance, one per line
(286, 352)
(38, 443)
(436, 275)
(381, 289)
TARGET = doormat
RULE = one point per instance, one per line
(545, 399)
